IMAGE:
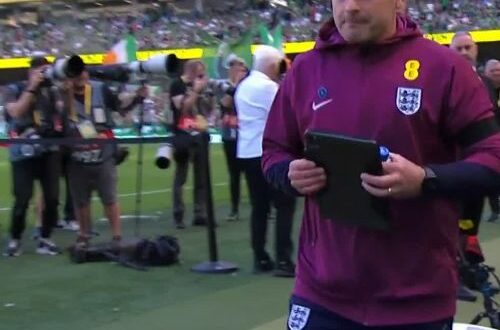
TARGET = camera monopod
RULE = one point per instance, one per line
(140, 162)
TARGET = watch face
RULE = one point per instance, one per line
(430, 181)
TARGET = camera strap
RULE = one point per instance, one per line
(37, 118)
(87, 100)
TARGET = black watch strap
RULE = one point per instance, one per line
(430, 182)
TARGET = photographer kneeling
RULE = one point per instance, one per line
(32, 112)
(92, 167)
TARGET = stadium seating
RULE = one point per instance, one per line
(179, 24)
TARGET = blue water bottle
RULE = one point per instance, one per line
(384, 153)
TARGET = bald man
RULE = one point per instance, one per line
(492, 72)
(492, 81)
(464, 44)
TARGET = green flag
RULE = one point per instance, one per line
(215, 56)
(271, 38)
(265, 36)
(243, 47)
(277, 36)
(209, 58)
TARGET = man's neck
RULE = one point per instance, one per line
(389, 33)
(267, 74)
(233, 81)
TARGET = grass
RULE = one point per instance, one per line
(51, 293)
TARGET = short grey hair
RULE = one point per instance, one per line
(266, 55)
(490, 63)
(461, 34)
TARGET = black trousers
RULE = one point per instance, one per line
(46, 169)
(195, 149)
(69, 211)
(261, 197)
(234, 173)
(472, 210)
(494, 201)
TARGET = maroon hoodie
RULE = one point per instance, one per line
(414, 96)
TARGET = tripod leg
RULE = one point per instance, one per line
(477, 319)
(494, 320)
(138, 185)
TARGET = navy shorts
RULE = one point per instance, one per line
(304, 315)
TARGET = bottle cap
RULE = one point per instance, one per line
(384, 153)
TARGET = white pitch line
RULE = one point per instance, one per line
(144, 193)
(154, 192)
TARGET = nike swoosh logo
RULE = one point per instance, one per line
(321, 105)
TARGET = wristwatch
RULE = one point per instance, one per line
(430, 182)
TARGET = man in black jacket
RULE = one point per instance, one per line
(492, 81)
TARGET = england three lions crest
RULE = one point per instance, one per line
(299, 315)
(409, 100)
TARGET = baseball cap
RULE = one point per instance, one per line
(233, 59)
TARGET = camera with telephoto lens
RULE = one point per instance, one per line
(156, 65)
(164, 156)
(222, 86)
(64, 68)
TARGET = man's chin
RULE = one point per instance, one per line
(355, 37)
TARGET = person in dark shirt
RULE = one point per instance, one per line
(492, 80)
(190, 106)
(472, 207)
(92, 167)
(229, 132)
(32, 112)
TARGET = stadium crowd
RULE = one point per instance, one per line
(171, 27)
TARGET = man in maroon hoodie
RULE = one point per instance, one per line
(372, 75)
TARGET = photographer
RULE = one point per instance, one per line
(237, 72)
(32, 112)
(92, 167)
(190, 105)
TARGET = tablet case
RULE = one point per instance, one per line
(344, 200)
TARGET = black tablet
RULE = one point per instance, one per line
(344, 199)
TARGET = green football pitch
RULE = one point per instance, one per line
(51, 293)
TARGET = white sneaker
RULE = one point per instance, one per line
(71, 226)
(47, 247)
(13, 248)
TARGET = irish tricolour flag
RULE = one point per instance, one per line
(123, 52)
